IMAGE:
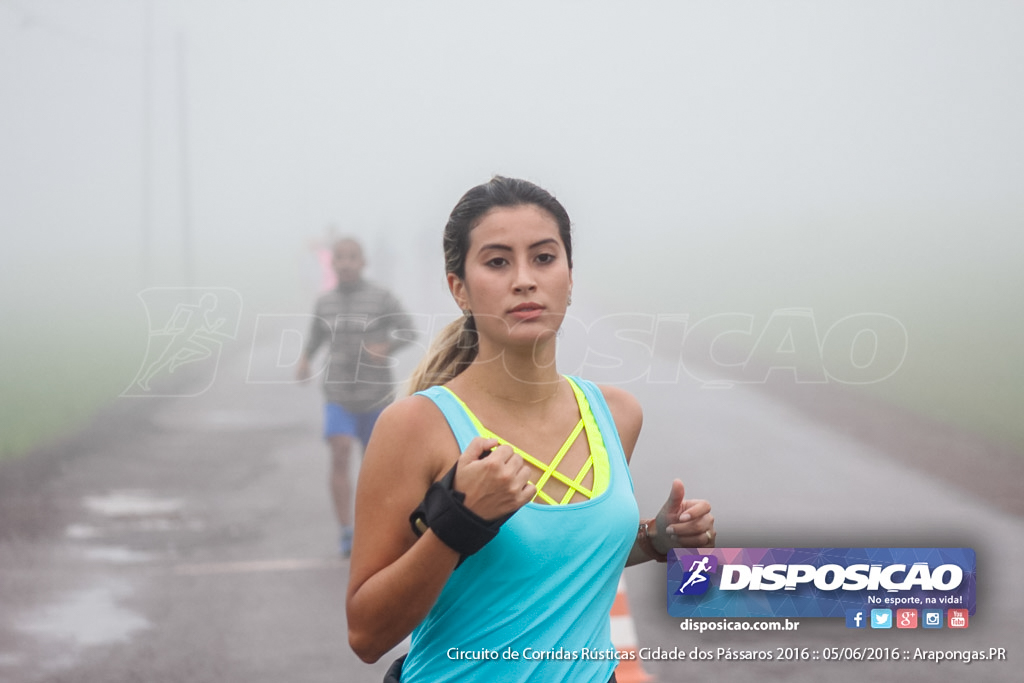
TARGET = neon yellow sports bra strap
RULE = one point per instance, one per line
(598, 452)
(487, 433)
(598, 459)
(551, 470)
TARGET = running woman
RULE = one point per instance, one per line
(495, 510)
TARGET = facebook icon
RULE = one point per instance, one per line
(856, 618)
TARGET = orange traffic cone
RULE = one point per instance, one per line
(625, 640)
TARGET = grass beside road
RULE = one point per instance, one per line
(54, 382)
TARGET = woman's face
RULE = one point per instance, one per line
(517, 279)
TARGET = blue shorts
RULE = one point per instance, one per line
(338, 421)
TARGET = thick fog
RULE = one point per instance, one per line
(842, 157)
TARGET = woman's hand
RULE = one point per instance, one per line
(683, 523)
(496, 485)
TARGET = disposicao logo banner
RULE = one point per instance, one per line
(817, 582)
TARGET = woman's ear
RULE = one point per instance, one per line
(458, 289)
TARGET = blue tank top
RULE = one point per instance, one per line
(534, 603)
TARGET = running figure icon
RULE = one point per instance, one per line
(698, 573)
(187, 326)
(192, 333)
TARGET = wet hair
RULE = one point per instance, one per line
(455, 348)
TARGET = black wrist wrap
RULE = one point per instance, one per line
(458, 527)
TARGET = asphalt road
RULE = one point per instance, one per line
(190, 538)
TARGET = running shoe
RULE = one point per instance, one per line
(345, 544)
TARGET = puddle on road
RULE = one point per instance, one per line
(116, 555)
(86, 618)
(82, 531)
(220, 420)
(168, 525)
(238, 420)
(9, 660)
(132, 504)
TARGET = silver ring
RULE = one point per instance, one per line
(708, 534)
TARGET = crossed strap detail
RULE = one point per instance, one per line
(596, 461)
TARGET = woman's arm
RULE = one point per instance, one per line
(395, 577)
(396, 471)
(680, 523)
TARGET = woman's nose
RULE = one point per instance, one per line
(524, 282)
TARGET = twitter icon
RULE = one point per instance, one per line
(881, 618)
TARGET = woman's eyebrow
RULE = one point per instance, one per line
(505, 247)
(500, 247)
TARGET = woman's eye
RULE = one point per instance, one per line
(545, 258)
(497, 262)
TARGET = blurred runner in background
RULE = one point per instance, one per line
(357, 320)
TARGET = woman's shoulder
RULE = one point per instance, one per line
(627, 413)
(415, 413)
(413, 433)
(622, 403)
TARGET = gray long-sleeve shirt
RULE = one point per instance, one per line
(350, 318)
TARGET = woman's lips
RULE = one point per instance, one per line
(527, 311)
